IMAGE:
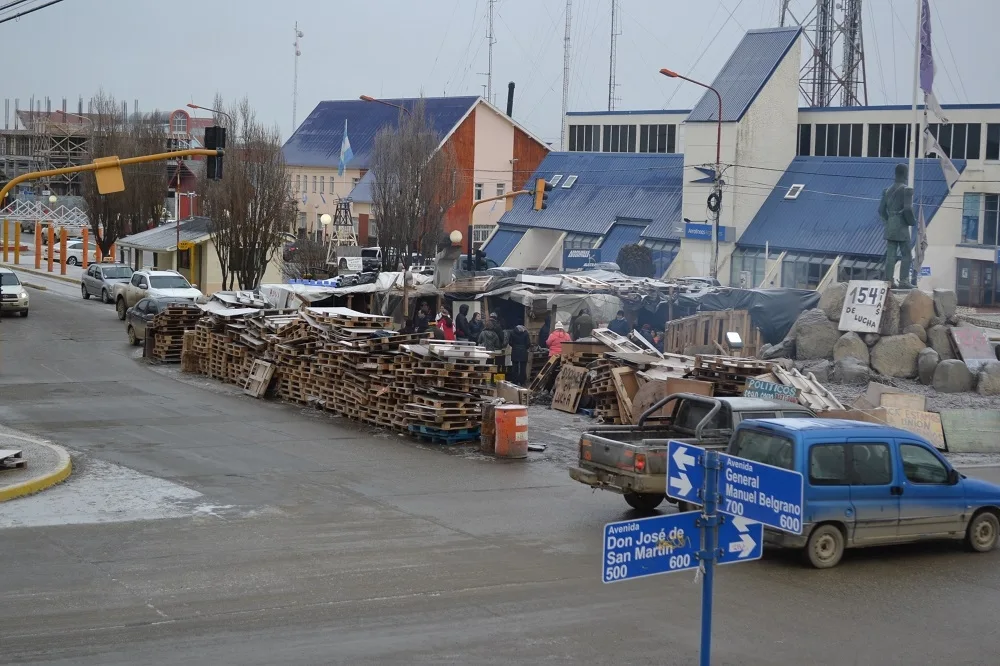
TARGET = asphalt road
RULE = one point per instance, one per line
(325, 543)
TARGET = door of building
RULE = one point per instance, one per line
(976, 283)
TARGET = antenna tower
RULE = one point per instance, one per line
(616, 30)
(491, 39)
(820, 80)
(295, 77)
(565, 90)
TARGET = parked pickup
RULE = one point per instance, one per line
(869, 484)
(632, 459)
(152, 284)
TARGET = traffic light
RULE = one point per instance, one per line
(542, 188)
(215, 139)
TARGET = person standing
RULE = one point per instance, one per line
(475, 326)
(490, 337)
(583, 325)
(462, 330)
(543, 335)
(520, 340)
(556, 339)
(444, 323)
(620, 324)
(421, 320)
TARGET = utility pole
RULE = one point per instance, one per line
(565, 90)
(295, 77)
(490, 41)
(613, 60)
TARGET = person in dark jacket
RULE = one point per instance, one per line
(520, 340)
(475, 326)
(490, 338)
(583, 325)
(543, 335)
(462, 329)
(620, 324)
(422, 319)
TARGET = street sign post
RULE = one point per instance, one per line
(685, 473)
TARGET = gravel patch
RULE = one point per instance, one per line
(847, 394)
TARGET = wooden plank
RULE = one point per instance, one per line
(569, 388)
(925, 424)
(971, 430)
(876, 415)
(873, 396)
(910, 401)
(626, 387)
(618, 343)
(651, 392)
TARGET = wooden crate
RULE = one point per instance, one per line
(708, 329)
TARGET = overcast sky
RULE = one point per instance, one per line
(166, 54)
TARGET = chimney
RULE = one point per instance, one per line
(510, 99)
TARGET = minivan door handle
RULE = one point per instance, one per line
(896, 490)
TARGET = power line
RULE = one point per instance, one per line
(30, 11)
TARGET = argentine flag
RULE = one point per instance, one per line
(346, 154)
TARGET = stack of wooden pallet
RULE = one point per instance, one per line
(602, 389)
(729, 374)
(168, 329)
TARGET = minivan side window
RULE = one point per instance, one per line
(850, 464)
(828, 465)
(763, 447)
(922, 466)
(871, 465)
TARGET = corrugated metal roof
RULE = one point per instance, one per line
(837, 212)
(609, 186)
(362, 192)
(316, 142)
(165, 238)
(745, 73)
(620, 235)
(503, 243)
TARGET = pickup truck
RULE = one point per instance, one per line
(151, 284)
(869, 484)
(632, 459)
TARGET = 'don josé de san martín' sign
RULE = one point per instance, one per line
(863, 306)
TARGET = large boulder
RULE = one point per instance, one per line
(815, 335)
(917, 330)
(819, 369)
(784, 349)
(832, 300)
(896, 355)
(945, 303)
(890, 314)
(849, 370)
(939, 340)
(850, 345)
(953, 376)
(927, 362)
(917, 308)
(989, 378)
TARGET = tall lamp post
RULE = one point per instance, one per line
(369, 98)
(192, 105)
(714, 199)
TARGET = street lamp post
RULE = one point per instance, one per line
(717, 189)
(368, 98)
(192, 105)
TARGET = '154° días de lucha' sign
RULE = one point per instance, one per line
(758, 388)
(863, 306)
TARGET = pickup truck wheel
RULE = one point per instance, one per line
(984, 528)
(643, 501)
(121, 308)
(825, 547)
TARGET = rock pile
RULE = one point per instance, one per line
(913, 342)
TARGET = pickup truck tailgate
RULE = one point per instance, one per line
(622, 455)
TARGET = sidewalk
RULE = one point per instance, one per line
(47, 465)
(27, 266)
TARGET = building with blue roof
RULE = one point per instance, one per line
(801, 185)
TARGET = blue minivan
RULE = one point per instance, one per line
(869, 485)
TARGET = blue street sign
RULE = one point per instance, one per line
(761, 493)
(685, 472)
(671, 543)
(925, 271)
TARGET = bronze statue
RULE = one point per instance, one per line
(896, 211)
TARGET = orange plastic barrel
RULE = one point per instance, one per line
(512, 431)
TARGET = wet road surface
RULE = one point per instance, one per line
(239, 531)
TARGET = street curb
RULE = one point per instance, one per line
(41, 483)
(35, 286)
(44, 274)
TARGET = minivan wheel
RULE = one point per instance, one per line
(121, 308)
(983, 531)
(825, 547)
(643, 501)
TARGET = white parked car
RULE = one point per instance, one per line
(74, 252)
(152, 283)
(13, 297)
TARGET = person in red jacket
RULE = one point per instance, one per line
(447, 327)
(556, 339)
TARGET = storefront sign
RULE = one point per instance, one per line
(699, 231)
(862, 311)
(580, 258)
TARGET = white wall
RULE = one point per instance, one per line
(494, 151)
(533, 247)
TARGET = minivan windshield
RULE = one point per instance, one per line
(763, 447)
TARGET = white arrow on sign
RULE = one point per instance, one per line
(682, 459)
(746, 544)
(682, 484)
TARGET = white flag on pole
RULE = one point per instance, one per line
(947, 167)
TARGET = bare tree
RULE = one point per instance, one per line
(116, 132)
(415, 181)
(306, 260)
(252, 207)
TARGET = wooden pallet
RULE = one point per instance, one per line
(259, 378)
(439, 436)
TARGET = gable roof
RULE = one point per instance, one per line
(164, 238)
(745, 74)
(316, 142)
(636, 187)
(837, 211)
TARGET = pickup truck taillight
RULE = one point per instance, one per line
(640, 462)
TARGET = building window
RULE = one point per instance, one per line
(971, 210)
(580, 242)
(960, 141)
(302, 223)
(888, 140)
(657, 138)
(478, 192)
(314, 184)
(322, 184)
(297, 183)
(618, 139)
(584, 138)
(991, 219)
(501, 189)
(993, 141)
(748, 267)
(805, 140)
(843, 140)
(860, 269)
(180, 123)
(804, 271)
(480, 232)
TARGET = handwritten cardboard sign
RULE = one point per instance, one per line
(758, 388)
(925, 424)
(863, 306)
(973, 346)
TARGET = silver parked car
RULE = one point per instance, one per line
(100, 280)
(13, 297)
